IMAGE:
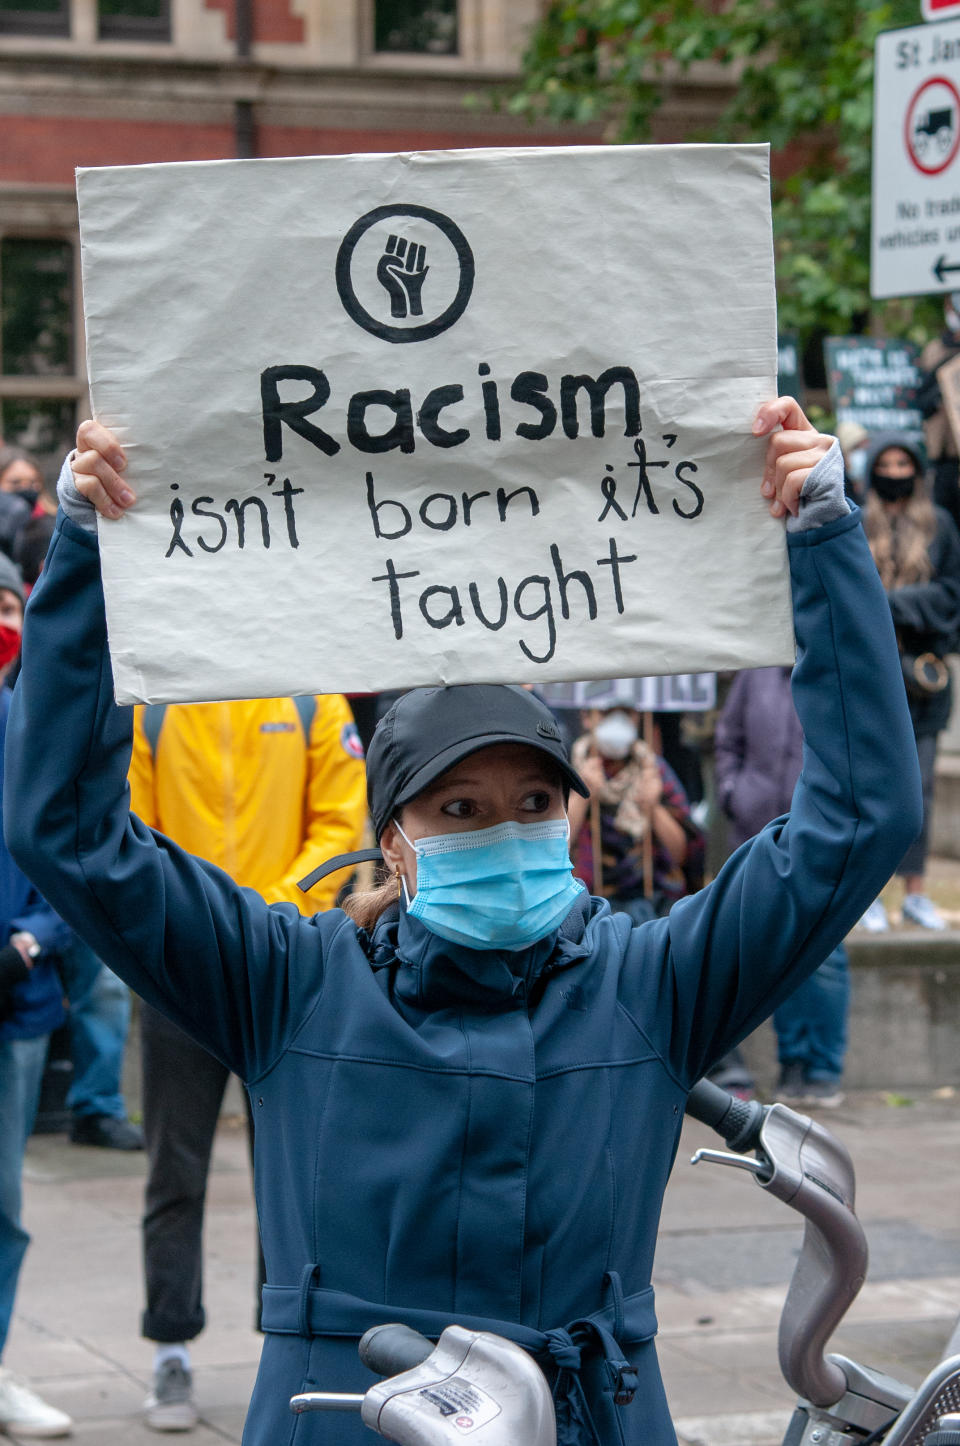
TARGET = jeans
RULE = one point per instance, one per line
(811, 1025)
(99, 1022)
(914, 860)
(21, 1071)
(183, 1090)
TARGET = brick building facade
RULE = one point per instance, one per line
(120, 82)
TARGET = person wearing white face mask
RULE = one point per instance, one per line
(469, 1087)
(634, 842)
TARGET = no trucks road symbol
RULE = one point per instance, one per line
(915, 243)
(932, 128)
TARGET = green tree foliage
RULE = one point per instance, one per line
(799, 75)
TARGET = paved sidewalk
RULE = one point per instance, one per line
(725, 1255)
(76, 1332)
(727, 1251)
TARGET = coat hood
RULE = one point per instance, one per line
(895, 439)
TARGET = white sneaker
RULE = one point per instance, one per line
(24, 1414)
(825, 1093)
(874, 919)
(921, 910)
(169, 1406)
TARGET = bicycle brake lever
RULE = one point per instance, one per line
(760, 1168)
(325, 1401)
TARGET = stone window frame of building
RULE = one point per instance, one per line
(24, 20)
(131, 26)
(462, 56)
(59, 20)
(443, 9)
(66, 388)
(491, 35)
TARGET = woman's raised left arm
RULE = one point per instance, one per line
(731, 953)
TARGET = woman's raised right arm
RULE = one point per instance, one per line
(210, 955)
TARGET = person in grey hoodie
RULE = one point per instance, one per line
(759, 753)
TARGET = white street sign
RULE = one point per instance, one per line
(915, 243)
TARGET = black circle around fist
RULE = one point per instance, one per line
(427, 329)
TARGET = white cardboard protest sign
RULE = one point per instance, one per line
(668, 693)
(440, 417)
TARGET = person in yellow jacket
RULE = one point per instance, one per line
(241, 785)
(265, 789)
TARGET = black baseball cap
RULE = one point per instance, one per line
(428, 730)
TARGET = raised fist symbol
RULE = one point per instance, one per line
(402, 272)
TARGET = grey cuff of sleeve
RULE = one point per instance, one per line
(74, 504)
(822, 499)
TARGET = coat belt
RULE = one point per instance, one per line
(313, 1310)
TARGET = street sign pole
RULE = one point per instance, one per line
(915, 223)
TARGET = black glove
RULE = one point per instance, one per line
(13, 970)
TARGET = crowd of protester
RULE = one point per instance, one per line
(268, 789)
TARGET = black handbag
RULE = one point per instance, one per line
(925, 674)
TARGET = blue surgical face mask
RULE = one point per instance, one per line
(857, 465)
(494, 888)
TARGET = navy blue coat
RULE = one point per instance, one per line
(448, 1134)
(33, 1005)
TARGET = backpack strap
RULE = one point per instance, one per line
(306, 706)
(153, 715)
(341, 861)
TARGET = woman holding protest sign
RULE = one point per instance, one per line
(469, 1095)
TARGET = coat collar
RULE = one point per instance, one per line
(432, 973)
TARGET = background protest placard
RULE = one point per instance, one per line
(440, 417)
(789, 365)
(671, 693)
(874, 382)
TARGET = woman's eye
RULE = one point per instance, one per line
(460, 808)
(537, 802)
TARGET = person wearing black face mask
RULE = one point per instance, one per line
(23, 495)
(20, 475)
(14, 509)
(917, 551)
(895, 475)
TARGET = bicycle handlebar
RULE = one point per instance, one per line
(389, 1350)
(738, 1121)
(805, 1167)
